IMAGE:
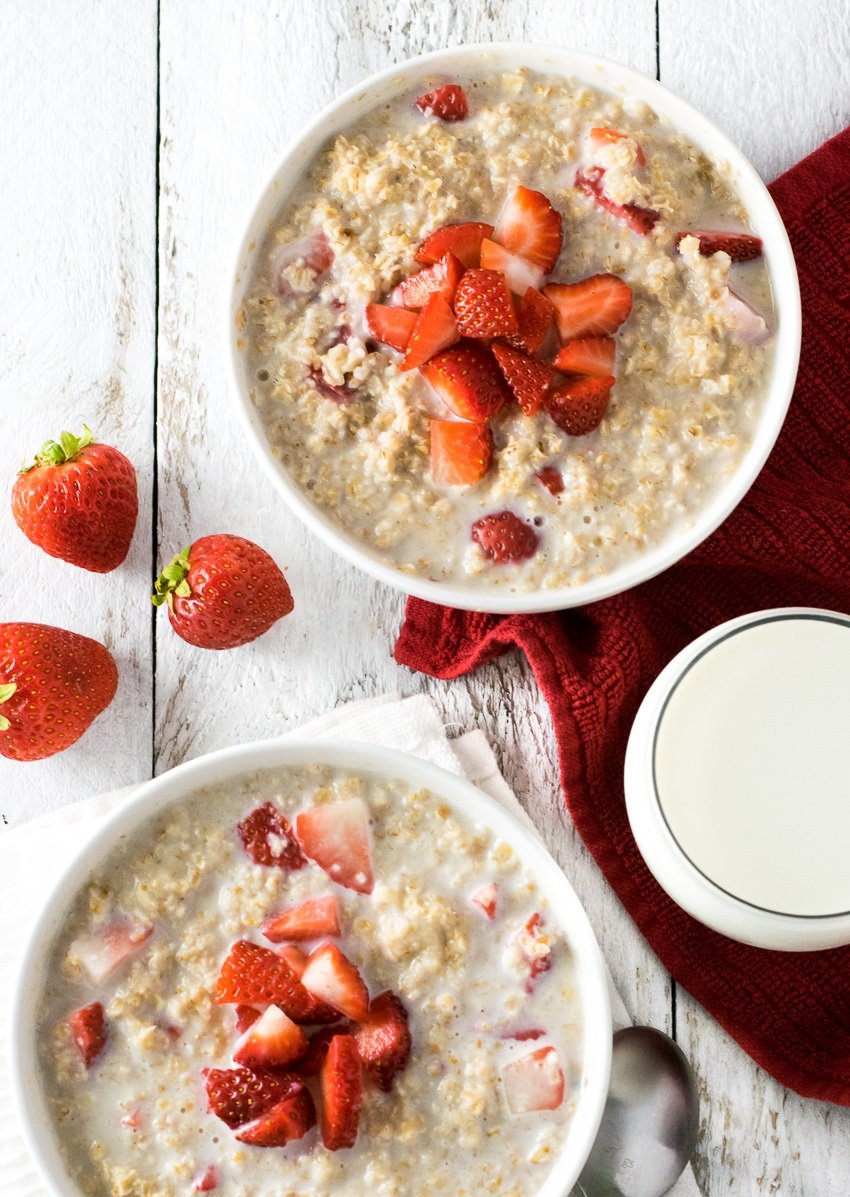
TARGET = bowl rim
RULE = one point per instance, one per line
(781, 270)
(181, 782)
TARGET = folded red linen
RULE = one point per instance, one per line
(787, 544)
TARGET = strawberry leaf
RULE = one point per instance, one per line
(56, 453)
(172, 580)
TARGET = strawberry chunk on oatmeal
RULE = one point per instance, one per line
(534, 1082)
(89, 1031)
(267, 838)
(505, 538)
(105, 951)
(448, 102)
(337, 837)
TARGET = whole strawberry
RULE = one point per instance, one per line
(222, 592)
(78, 501)
(53, 685)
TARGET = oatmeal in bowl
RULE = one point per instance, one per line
(297, 968)
(514, 328)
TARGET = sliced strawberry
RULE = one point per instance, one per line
(448, 102)
(536, 950)
(486, 899)
(271, 1042)
(331, 977)
(318, 1012)
(284, 1122)
(89, 1031)
(383, 1040)
(741, 247)
(534, 316)
(341, 1081)
(504, 537)
(468, 380)
(601, 136)
(313, 251)
(236, 1095)
(318, 1043)
(578, 405)
(206, 1179)
(588, 355)
(744, 322)
(294, 957)
(461, 453)
(391, 325)
(483, 305)
(342, 396)
(246, 1016)
(534, 1082)
(530, 227)
(267, 838)
(528, 379)
(462, 240)
(596, 306)
(552, 478)
(337, 837)
(102, 952)
(519, 272)
(639, 220)
(443, 277)
(308, 920)
(253, 974)
(434, 331)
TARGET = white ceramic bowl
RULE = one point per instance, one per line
(455, 63)
(469, 802)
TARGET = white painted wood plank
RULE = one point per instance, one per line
(77, 156)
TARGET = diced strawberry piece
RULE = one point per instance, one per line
(528, 379)
(132, 1121)
(526, 1034)
(531, 228)
(461, 453)
(462, 240)
(89, 1031)
(267, 838)
(341, 1082)
(519, 272)
(336, 836)
(103, 951)
(206, 1179)
(448, 102)
(331, 977)
(318, 1043)
(468, 380)
(741, 247)
(639, 220)
(434, 331)
(236, 1095)
(253, 974)
(536, 950)
(443, 278)
(246, 1016)
(588, 355)
(383, 1040)
(271, 1042)
(552, 478)
(317, 1012)
(504, 537)
(283, 1123)
(391, 325)
(578, 405)
(308, 920)
(342, 396)
(745, 323)
(313, 251)
(534, 316)
(483, 305)
(486, 899)
(596, 306)
(601, 136)
(534, 1082)
(294, 957)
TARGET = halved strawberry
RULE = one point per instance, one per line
(236, 1095)
(588, 355)
(318, 1043)
(443, 277)
(552, 478)
(318, 1012)
(530, 227)
(434, 330)
(267, 838)
(504, 537)
(595, 306)
(341, 1081)
(519, 272)
(483, 305)
(462, 240)
(206, 1179)
(486, 899)
(639, 220)
(331, 977)
(253, 974)
(601, 136)
(271, 1042)
(528, 379)
(284, 1122)
(309, 920)
(468, 380)
(461, 453)
(578, 405)
(741, 247)
(534, 1082)
(448, 102)
(313, 251)
(103, 951)
(89, 1031)
(337, 837)
(391, 325)
(246, 1016)
(383, 1040)
(536, 949)
(534, 316)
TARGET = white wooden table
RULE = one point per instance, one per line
(135, 135)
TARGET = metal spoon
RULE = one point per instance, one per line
(649, 1126)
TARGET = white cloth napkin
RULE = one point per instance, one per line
(38, 849)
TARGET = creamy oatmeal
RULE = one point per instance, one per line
(436, 1005)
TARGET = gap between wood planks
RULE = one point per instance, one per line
(155, 481)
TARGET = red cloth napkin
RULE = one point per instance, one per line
(787, 544)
